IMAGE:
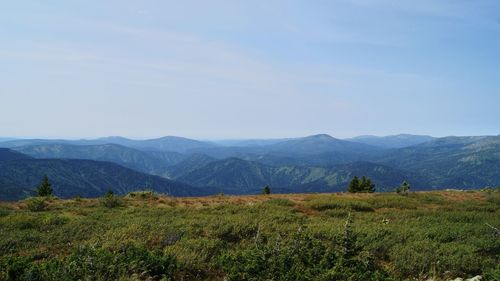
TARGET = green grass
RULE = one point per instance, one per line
(440, 235)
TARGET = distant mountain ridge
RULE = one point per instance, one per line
(249, 142)
(87, 178)
(189, 164)
(394, 141)
(321, 143)
(318, 163)
(292, 149)
(236, 176)
(168, 143)
(8, 154)
(153, 163)
(452, 162)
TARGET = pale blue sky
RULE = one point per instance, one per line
(234, 69)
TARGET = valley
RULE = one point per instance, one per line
(181, 166)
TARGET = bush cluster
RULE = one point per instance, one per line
(110, 200)
(144, 195)
(93, 263)
(36, 204)
(439, 235)
(404, 188)
(303, 257)
(363, 185)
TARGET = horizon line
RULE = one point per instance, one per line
(8, 138)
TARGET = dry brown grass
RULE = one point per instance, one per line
(199, 202)
(462, 195)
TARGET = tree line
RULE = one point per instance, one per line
(364, 184)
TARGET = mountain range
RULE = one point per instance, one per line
(394, 141)
(76, 177)
(181, 166)
(169, 143)
(143, 161)
(237, 176)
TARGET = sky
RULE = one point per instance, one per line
(249, 69)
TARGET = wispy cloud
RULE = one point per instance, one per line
(241, 68)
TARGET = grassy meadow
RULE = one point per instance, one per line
(143, 236)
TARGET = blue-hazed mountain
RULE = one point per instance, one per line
(394, 141)
(87, 178)
(314, 163)
(294, 151)
(385, 177)
(26, 142)
(324, 159)
(189, 164)
(317, 144)
(169, 143)
(143, 161)
(237, 176)
(306, 146)
(9, 154)
(249, 142)
(452, 162)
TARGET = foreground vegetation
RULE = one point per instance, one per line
(143, 236)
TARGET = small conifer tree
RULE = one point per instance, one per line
(353, 185)
(45, 188)
(348, 239)
(363, 185)
(266, 190)
(369, 186)
(404, 188)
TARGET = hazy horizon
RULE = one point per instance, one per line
(222, 139)
(249, 70)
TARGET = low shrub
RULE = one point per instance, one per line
(194, 257)
(428, 198)
(143, 195)
(280, 202)
(417, 259)
(301, 258)
(359, 206)
(493, 198)
(409, 237)
(110, 200)
(493, 274)
(14, 268)
(54, 220)
(394, 201)
(92, 263)
(336, 213)
(233, 232)
(36, 204)
(4, 212)
(429, 259)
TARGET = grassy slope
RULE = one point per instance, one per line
(441, 234)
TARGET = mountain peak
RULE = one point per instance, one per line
(113, 138)
(321, 137)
